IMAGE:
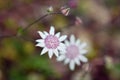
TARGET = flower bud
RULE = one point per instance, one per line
(50, 9)
(78, 21)
(65, 11)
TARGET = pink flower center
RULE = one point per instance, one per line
(51, 42)
(72, 52)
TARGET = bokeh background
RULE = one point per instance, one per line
(100, 28)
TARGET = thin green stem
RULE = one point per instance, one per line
(39, 19)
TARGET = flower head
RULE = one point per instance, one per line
(74, 53)
(51, 42)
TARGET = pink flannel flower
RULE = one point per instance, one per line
(74, 53)
(51, 42)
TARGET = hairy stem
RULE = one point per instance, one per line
(39, 19)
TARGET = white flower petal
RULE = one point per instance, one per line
(62, 51)
(62, 38)
(61, 47)
(83, 51)
(46, 33)
(44, 51)
(52, 30)
(72, 65)
(40, 40)
(61, 58)
(82, 58)
(50, 53)
(66, 61)
(57, 34)
(41, 34)
(56, 52)
(77, 42)
(72, 39)
(67, 43)
(77, 61)
(40, 45)
(83, 45)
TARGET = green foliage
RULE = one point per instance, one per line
(16, 74)
(37, 63)
(25, 62)
(20, 31)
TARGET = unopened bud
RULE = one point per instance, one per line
(78, 21)
(50, 9)
(65, 11)
(86, 67)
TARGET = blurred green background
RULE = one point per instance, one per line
(21, 60)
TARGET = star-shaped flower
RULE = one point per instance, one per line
(74, 52)
(51, 42)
